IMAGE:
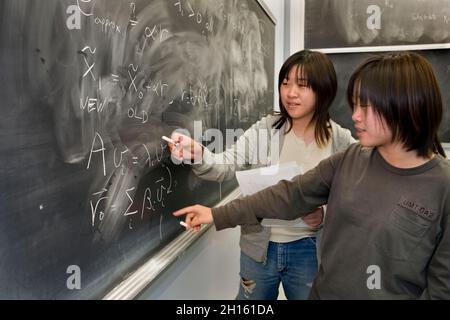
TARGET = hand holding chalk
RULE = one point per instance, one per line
(170, 141)
(195, 229)
(196, 215)
(184, 148)
(184, 224)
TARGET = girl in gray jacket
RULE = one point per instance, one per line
(276, 251)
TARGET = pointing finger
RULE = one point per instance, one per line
(183, 211)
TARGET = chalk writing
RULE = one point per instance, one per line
(85, 10)
(107, 24)
(90, 66)
(162, 188)
(186, 8)
(133, 20)
(140, 115)
(94, 207)
(122, 153)
(128, 212)
(92, 104)
(97, 140)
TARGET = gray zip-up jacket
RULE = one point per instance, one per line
(259, 139)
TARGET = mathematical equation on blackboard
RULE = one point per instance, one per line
(139, 89)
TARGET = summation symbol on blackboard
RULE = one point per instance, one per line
(163, 187)
(129, 193)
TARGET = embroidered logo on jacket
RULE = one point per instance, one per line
(422, 211)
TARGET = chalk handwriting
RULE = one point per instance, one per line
(154, 197)
(133, 78)
(98, 146)
(98, 139)
(90, 66)
(424, 17)
(107, 24)
(92, 104)
(87, 14)
(133, 113)
(164, 187)
(133, 19)
(94, 208)
(191, 13)
(118, 164)
(127, 212)
(196, 97)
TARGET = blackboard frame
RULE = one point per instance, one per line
(59, 240)
(146, 274)
(339, 48)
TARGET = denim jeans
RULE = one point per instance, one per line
(294, 264)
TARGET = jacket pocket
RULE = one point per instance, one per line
(255, 241)
(400, 234)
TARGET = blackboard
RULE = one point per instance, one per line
(360, 23)
(87, 90)
(346, 63)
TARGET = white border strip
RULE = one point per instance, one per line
(296, 17)
(386, 48)
(301, 4)
(267, 11)
(140, 279)
(446, 147)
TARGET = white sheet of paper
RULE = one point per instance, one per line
(254, 180)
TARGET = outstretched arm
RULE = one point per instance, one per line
(286, 200)
(220, 165)
(197, 215)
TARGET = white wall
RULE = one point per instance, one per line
(277, 7)
(294, 22)
(209, 270)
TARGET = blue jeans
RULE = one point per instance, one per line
(294, 264)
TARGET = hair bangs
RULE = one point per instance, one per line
(402, 89)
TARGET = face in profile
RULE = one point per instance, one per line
(371, 128)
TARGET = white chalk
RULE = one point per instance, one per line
(184, 224)
(170, 140)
